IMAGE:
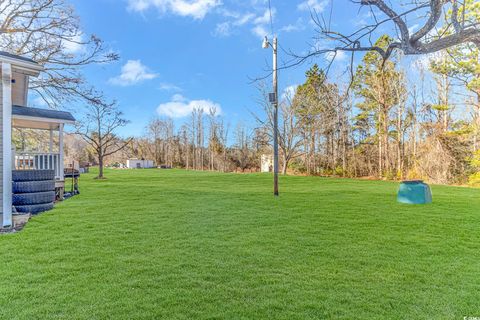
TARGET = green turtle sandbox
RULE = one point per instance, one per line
(414, 192)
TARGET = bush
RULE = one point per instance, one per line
(414, 174)
(339, 171)
(474, 180)
(390, 174)
(297, 167)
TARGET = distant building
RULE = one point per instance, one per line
(140, 164)
(267, 163)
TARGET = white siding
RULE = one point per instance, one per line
(139, 164)
(1, 141)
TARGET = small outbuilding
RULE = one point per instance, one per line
(140, 164)
(267, 163)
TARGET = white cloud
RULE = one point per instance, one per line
(133, 72)
(257, 19)
(74, 44)
(265, 18)
(226, 28)
(315, 5)
(180, 107)
(298, 26)
(260, 31)
(338, 56)
(289, 92)
(169, 87)
(243, 19)
(290, 28)
(261, 23)
(196, 9)
(223, 29)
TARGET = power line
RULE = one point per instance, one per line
(271, 17)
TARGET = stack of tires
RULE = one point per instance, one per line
(33, 190)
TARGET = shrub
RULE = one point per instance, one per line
(474, 180)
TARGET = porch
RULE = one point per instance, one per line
(52, 156)
(26, 160)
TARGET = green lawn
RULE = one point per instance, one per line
(159, 244)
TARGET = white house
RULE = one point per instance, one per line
(140, 164)
(15, 72)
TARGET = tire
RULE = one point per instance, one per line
(33, 186)
(33, 198)
(35, 208)
(32, 175)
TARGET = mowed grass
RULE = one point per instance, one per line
(160, 244)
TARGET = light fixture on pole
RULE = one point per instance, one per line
(273, 97)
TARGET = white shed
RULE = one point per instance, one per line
(140, 164)
(267, 163)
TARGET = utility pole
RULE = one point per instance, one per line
(274, 101)
(275, 119)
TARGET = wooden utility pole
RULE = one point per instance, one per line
(273, 99)
(275, 119)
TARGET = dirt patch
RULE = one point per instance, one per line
(19, 221)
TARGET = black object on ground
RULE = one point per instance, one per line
(74, 175)
(35, 208)
(32, 175)
(33, 186)
(33, 198)
(33, 190)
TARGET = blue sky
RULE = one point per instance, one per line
(176, 54)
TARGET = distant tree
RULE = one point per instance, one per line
(98, 129)
(154, 133)
(289, 140)
(242, 149)
(160, 133)
(317, 104)
(380, 87)
(308, 104)
(222, 131)
(215, 146)
(474, 178)
(462, 65)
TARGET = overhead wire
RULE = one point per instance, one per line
(271, 16)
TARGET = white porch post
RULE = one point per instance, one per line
(7, 143)
(50, 147)
(60, 140)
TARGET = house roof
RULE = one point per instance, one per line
(21, 64)
(42, 113)
(14, 56)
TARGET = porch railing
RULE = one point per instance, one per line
(39, 161)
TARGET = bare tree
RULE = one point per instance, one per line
(200, 138)
(154, 131)
(435, 34)
(223, 136)
(98, 130)
(289, 139)
(193, 133)
(242, 149)
(49, 32)
(213, 140)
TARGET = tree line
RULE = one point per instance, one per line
(382, 123)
